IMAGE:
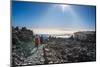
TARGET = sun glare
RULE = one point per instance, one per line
(64, 7)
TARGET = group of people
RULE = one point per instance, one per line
(38, 40)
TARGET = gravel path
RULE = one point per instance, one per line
(36, 57)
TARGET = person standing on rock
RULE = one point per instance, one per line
(37, 40)
(41, 40)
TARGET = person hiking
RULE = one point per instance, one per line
(37, 40)
(41, 39)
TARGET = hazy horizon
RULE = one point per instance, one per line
(56, 31)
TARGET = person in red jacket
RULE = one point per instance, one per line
(37, 40)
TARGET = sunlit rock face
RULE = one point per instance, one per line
(85, 35)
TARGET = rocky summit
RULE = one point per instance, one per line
(80, 47)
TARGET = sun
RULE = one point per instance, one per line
(64, 7)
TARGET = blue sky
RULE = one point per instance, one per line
(46, 15)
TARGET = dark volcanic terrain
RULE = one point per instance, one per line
(78, 48)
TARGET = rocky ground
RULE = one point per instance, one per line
(54, 50)
(37, 56)
(24, 51)
(69, 51)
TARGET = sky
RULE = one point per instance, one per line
(36, 15)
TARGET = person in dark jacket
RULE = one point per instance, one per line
(37, 40)
(41, 39)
